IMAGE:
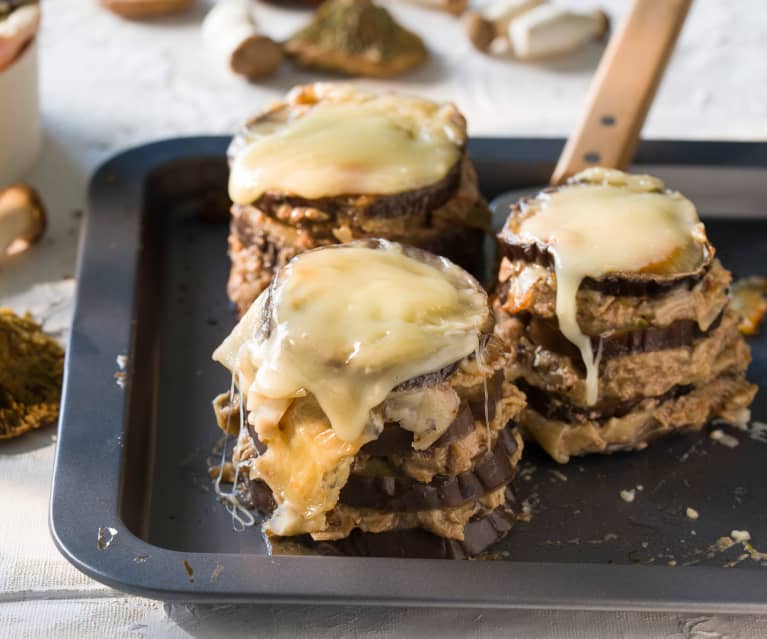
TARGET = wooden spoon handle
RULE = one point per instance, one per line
(623, 88)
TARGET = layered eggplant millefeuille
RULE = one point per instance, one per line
(332, 163)
(617, 310)
(374, 412)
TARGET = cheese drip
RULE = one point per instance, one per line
(340, 149)
(339, 329)
(607, 221)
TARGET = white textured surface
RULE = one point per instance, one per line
(20, 125)
(107, 84)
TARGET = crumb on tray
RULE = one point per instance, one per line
(739, 536)
(628, 495)
(718, 435)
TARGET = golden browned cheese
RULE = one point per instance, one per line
(337, 332)
(31, 368)
(352, 143)
(749, 300)
(606, 221)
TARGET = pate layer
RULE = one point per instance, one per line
(722, 398)
(637, 375)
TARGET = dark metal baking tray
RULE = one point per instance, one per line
(152, 273)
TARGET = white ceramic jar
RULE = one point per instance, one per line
(20, 131)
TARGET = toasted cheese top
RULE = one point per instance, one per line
(606, 221)
(342, 326)
(348, 143)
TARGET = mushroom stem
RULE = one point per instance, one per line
(548, 31)
(502, 12)
(230, 34)
(22, 218)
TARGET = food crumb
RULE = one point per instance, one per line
(558, 475)
(718, 435)
(758, 431)
(216, 573)
(640, 487)
(672, 562)
(739, 536)
(106, 535)
(628, 495)
(692, 513)
(189, 570)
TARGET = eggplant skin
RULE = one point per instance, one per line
(395, 440)
(415, 203)
(478, 534)
(544, 333)
(255, 494)
(616, 284)
(552, 406)
(402, 494)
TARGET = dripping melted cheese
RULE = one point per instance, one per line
(341, 328)
(607, 221)
(380, 146)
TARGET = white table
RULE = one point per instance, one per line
(107, 84)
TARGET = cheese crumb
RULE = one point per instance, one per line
(692, 513)
(739, 536)
(718, 435)
(628, 495)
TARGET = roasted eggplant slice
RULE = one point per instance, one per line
(410, 336)
(332, 163)
(617, 316)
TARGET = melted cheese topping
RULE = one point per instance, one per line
(375, 146)
(605, 222)
(340, 328)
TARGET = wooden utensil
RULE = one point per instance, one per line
(622, 91)
(624, 87)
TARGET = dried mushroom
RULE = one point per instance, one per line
(356, 37)
(232, 37)
(30, 375)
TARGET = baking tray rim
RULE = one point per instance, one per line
(285, 579)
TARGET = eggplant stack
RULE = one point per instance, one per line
(427, 469)
(617, 315)
(331, 164)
